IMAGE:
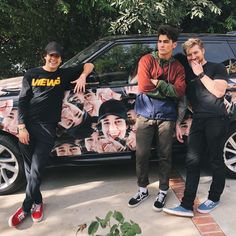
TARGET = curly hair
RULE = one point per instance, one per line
(170, 31)
(191, 43)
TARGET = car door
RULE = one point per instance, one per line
(101, 121)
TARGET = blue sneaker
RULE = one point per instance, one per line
(207, 206)
(179, 211)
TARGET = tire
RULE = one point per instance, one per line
(229, 152)
(12, 176)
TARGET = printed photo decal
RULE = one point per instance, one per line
(8, 116)
(98, 121)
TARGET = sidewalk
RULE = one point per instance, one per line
(205, 223)
(76, 195)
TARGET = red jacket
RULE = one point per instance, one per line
(149, 68)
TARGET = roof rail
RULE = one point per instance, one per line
(231, 32)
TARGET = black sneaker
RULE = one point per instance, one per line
(138, 198)
(160, 201)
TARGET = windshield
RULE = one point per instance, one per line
(84, 54)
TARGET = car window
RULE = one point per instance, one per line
(178, 48)
(84, 54)
(222, 53)
(218, 51)
(233, 46)
(116, 65)
(231, 64)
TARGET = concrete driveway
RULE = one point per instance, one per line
(75, 195)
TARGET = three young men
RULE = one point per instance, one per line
(161, 81)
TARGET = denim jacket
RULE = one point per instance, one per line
(156, 109)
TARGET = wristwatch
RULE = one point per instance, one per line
(201, 75)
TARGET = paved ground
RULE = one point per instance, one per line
(74, 196)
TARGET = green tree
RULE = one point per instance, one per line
(222, 23)
(28, 25)
(139, 16)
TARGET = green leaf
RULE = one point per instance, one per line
(108, 216)
(113, 228)
(118, 216)
(63, 7)
(93, 227)
(125, 227)
(130, 229)
(102, 222)
(136, 228)
(117, 232)
(131, 232)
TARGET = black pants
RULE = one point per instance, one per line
(205, 134)
(35, 157)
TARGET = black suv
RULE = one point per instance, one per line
(99, 125)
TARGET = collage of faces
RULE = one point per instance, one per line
(99, 120)
(8, 107)
(96, 121)
(8, 116)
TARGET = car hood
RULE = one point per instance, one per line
(11, 84)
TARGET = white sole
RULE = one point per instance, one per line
(132, 206)
(175, 213)
(10, 222)
(37, 220)
(157, 209)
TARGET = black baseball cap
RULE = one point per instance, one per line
(112, 107)
(54, 48)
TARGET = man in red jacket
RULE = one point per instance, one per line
(161, 82)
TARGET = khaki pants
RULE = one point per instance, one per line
(163, 131)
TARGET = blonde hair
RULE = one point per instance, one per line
(191, 43)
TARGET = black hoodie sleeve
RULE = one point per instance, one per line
(24, 98)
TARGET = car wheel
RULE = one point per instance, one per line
(229, 152)
(12, 176)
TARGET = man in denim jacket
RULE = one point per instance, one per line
(161, 82)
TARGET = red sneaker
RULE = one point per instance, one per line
(17, 218)
(37, 212)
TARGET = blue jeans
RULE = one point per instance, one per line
(206, 134)
(163, 131)
(35, 156)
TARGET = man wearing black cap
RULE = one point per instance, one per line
(112, 119)
(39, 109)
